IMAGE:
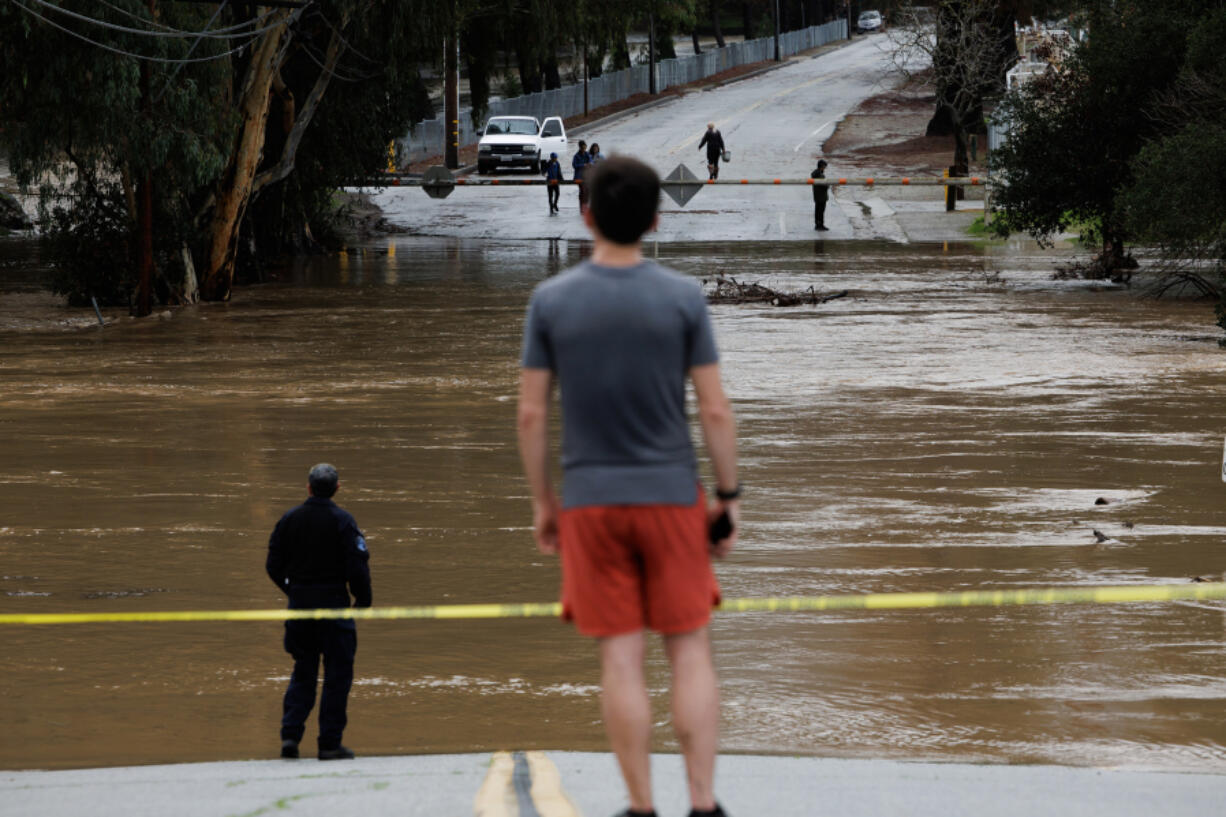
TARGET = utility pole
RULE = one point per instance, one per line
(451, 96)
(778, 57)
(585, 78)
(849, 19)
(144, 204)
(651, 52)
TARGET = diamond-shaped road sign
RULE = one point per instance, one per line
(438, 182)
(684, 185)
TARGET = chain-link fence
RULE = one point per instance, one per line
(426, 138)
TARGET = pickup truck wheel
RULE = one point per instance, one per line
(482, 168)
(535, 167)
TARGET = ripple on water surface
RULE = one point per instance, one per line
(949, 425)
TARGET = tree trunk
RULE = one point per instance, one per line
(694, 37)
(665, 49)
(747, 20)
(234, 191)
(962, 161)
(944, 59)
(595, 62)
(713, 6)
(549, 68)
(529, 68)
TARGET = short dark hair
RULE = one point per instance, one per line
(323, 480)
(624, 196)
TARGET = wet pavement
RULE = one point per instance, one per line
(774, 124)
(447, 785)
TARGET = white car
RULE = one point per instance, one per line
(870, 21)
(519, 141)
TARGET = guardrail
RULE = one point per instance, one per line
(681, 185)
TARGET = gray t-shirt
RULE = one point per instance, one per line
(621, 341)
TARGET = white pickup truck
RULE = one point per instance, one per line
(519, 141)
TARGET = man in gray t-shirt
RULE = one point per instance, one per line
(621, 336)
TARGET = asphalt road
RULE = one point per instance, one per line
(576, 783)
(774, 124)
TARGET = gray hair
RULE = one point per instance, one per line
(323, 480)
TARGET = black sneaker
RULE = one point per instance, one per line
(289, 749)
(339, 753)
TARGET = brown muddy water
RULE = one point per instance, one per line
(947, 426)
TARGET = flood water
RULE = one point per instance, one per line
(947, 426)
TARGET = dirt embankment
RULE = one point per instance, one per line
(885, 135)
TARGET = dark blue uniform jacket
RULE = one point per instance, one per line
(317, 551)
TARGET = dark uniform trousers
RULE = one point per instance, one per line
(306, 641)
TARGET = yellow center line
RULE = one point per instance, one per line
(501, 796)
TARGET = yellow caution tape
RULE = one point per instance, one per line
(873, 601)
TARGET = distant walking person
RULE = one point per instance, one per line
(579, 163)
(553, 181)
(621, 335)
(317, 556)
(594, 154)
(714, 142)
(820, 193)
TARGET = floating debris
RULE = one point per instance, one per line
(728, 290)
(123, 594)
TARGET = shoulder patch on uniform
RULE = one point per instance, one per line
(362, 543)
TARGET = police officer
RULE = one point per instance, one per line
(317, 556)
(820, 193)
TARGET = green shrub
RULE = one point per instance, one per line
(90, 248)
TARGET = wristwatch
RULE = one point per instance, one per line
(728, 496)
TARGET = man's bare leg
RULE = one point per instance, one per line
(695, 711)
(627, 712)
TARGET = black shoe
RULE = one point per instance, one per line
(632, 813)
(823, 228)
(289, 749)
(339, 753)
(715, 812)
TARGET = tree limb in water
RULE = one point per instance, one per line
(728, 290)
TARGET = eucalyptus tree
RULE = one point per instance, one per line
(109, 101)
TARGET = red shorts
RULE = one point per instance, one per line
(627, 567)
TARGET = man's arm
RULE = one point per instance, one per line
(719, 432)
(535, 386)
(357, 567)
(705, 137)
(277, 562)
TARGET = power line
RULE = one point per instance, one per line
(236, 27)
(144, 32)
(175, 73)
(122, 52)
